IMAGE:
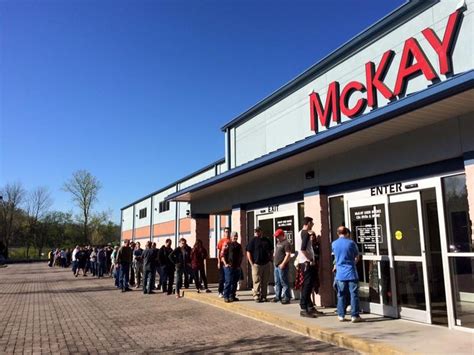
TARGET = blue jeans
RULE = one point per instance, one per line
(124, 275)
(147, 280)
(282, 288)
(101, 268)
(230, 284)
(116, 273)
(343, 288)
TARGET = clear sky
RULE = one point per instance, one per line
(136, 91)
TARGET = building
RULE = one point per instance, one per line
(377, 136)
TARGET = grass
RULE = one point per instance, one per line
(19, 253)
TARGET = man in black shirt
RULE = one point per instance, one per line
(259, 254)
(166, 267)
(149, 257)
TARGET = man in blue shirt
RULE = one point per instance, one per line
(346, 256)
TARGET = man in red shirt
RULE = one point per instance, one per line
(220, 249)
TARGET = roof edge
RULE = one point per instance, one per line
(197, 172)
(455, 85)
(386, 23)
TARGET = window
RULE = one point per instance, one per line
(337, 216)
(164, 206)
(457, 215)
(142, 213)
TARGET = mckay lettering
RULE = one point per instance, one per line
(413, 63)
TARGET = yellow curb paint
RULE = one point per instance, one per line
(314, 331)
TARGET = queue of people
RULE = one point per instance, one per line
(177, 268)
(133, 266)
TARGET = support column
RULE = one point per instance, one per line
(316, 207)
(239, 225)
(469, 169)
(200, 229)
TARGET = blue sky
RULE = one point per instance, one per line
(136, 91)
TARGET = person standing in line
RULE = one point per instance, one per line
(138, 264)
(259, 254)
(81, 257)
(307, 265)
(149, 257)
(51, 258)
(281, 260)
(220, 266)
(74, 259)
(316, 243)
(232, 256)
(166, 267)
(93, 261)
(115, 267)
(101, 262)
(198, 258)
(346, 255)
(108, 267)
(131, 279)
(124, 259)
(181, 256)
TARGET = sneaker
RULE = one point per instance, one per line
(198, 291)
(235, 299)
(264, 299)
(357, 320)
(221, 295)
(259, 300)
(226, 300)
(285, 301)
(275, 300)
(307, 314)
(208, 291)
(341, 319)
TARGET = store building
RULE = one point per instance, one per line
(377, 136)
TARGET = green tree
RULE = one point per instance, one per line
(84, 188)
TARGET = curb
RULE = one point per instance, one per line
(314, 331)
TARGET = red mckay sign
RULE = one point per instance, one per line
(413, 63)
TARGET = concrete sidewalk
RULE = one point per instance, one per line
(377, 335)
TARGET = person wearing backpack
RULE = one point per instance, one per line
(232, 258)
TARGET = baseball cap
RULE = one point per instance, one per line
(279, 232)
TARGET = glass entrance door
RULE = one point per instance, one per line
(368, 224)
(409, 256)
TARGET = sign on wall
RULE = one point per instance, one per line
(413, 63)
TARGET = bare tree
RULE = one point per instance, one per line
(38, 204)
(84, 188)
(12, 196)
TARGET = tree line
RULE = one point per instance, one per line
(27, 221)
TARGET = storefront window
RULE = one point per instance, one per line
(458, 225)
(336, 205)
(368, 229)
(463, 290)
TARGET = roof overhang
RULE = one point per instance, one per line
(440, 101)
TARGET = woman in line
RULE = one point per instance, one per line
(198, 258)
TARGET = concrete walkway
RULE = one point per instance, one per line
(377, 335)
